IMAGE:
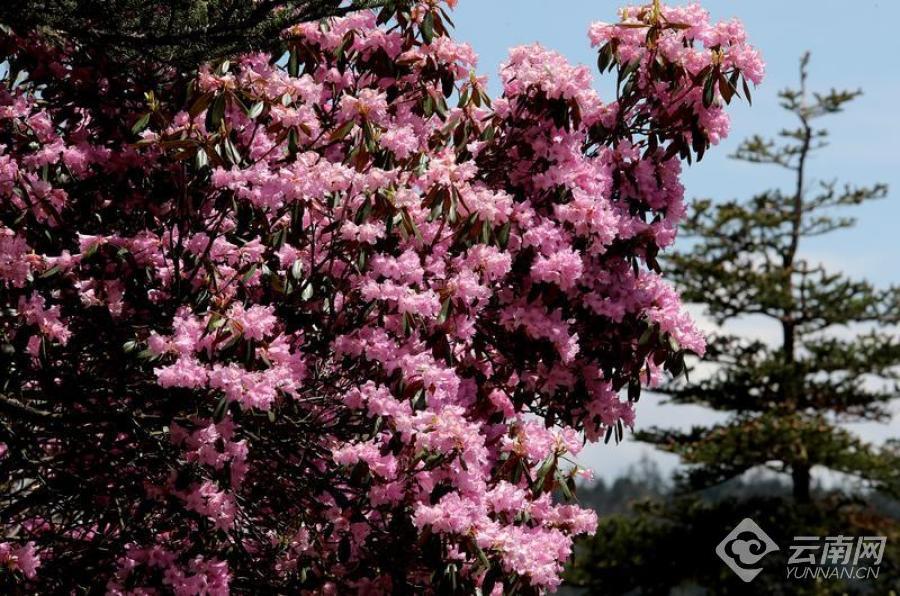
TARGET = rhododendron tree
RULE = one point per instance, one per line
(328, 318)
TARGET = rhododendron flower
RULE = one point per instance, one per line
(20, 558)
(330, 319)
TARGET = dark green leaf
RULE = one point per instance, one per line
(428, 27)
(141, 123)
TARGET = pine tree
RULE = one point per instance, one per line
(837, 361)
(181, 33)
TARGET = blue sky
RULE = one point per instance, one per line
(853, 44)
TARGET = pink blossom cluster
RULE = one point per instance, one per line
(333, 322)
(711, 58)
(19, 559)
(197, 577)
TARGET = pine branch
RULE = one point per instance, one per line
(183, 34)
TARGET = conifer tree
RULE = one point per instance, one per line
(787, 402)
(837, 358)
(179, 33)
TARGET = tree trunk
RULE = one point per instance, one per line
(801, 480)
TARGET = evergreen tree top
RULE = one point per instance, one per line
(838, 358)
(181, 33)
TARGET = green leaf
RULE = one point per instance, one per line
(428, 27)
(200, 104)
(709, 90)
(141, 123)
(605, 58)
(215, 113)
(231, 151)
(297, 269)
(294, 63)
(436, 211)
(629, 69)
(201, 159)
(726, 88)
(221, 408)
(255, 110)
(440, 106)
(673, 344)
(91, 251)
(447, 84)
(503, 234)
(216, 322)
(384, 16)
(634, 390)
(343, 131)
(541, 477)
(410, 225)
(406, 323)
(482, 557)
(445, 311)
(293, 142)
(463, 98)
(249, 273)
(50, 272)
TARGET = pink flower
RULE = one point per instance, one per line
(47, 319)
(256, 322)
(401, 141)
(562, 268)
(206, 499)
(186, 372)
(15, 266)
(20, 558)
(349, 297)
